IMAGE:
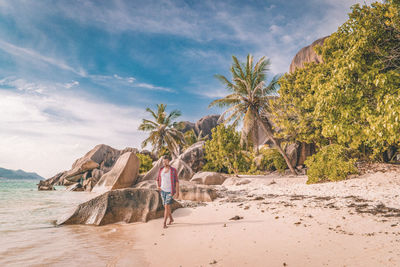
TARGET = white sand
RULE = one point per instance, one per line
(292, 225)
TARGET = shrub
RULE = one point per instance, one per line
(272, 160)
(223, 152)
(145, 162)
(331, 163)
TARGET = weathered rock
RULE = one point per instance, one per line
(187, 190)
(65, 182)
(122, 175)
(75, 187)
(123, 205)
(186, 126)
(183, 170)
(97, 173)
(43, 186)
(307, 54)
(206, 124)
(80, 166)
(149, 184)
(208, 178)
(89, 184)
(194, 192)
(194, 156)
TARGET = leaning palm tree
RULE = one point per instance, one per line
(249, 100)
(163, 131)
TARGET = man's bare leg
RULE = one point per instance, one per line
(171, 220)
(165, 215)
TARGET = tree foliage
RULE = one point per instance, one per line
(145, 162)
(353, 98)
(223, 152)
(164, 134)
(248, 101)
(191, 137)
(331, 163)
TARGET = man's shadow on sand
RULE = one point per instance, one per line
(180, 224)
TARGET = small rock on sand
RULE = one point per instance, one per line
(235, 218)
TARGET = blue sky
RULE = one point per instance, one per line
(74, 74)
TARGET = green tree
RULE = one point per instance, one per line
(145, 162)
(352, 99)
(248, 101)
(163, 131)
(331, 163)
(223, 152)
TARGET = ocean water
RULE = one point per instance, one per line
(30, 237)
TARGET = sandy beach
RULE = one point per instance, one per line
(285, 223)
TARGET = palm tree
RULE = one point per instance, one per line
(249, 100)
(163, 131)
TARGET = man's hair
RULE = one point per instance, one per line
(168, 157)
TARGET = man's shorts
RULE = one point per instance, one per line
(166, 197)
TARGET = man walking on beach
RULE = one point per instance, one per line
(168, 185)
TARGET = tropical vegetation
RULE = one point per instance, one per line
(164, 134)
(248, 101)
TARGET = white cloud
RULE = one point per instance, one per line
(154, 87)
(71, 84)
(46, 132)
(22, 52)
(117, 80)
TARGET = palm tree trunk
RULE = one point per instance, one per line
(255, 140)
(269, 132)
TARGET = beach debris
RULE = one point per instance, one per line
(297, 223)
(224, 224)
(236, 217)
(258, 198)
(213, 262)
(246, 207)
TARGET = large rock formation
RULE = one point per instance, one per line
(206, 124)
(122, 175)
(208, 178)
(307, 54)
(43, 186)
(183, 170)
(194, 192)
(194, 156)
(94, 163)
(123, 205)
(186, 126)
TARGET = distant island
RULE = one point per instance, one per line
(19, 174)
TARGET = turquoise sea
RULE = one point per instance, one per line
(30, 237)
